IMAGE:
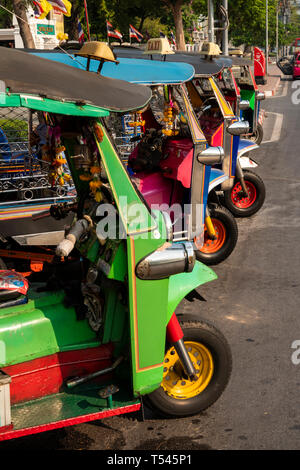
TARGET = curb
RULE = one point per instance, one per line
(270, 93)
(262, 116)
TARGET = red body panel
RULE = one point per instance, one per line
(178, 164)
(296, 69)
(46, 375)
(154, 187)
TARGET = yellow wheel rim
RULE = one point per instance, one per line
(175, 383)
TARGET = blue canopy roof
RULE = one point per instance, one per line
(138, 71)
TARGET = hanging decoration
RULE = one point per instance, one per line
(170, 115)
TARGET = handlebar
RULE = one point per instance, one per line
(57, 211)
(80, 227)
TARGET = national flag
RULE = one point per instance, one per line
(37, 9)
(118, 35)
(173, 38)
(41, 8)
(134, 33)
(111, 33)
(62, 6)
(80, 31)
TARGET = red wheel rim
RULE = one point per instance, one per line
(243, 202)
(212, 246)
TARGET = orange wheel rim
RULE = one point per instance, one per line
(212, 246)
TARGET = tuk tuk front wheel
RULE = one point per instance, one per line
(218, 250)
(178, 396)
(241, 206)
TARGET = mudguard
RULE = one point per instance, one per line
(217, 177)
(246, 146)
(182, 284)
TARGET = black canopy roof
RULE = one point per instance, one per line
(24, 73)
(203, 67)
(241, 61)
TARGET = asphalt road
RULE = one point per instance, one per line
(255, 302)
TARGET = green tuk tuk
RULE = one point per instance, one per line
(99, 332)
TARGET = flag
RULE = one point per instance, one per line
(111, 33)
(173, 38)
(38, 10)
(134, 33)
(162, 35)
(42, 8)
(62, 6)
(118, 35)
(80, 31)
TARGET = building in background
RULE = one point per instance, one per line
(44, 32)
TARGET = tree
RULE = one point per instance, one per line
(20, 8)
(5, 17)
(77, 13)
(176, 8)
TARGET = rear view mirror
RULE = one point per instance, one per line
(238, 128)
(244, 105)
(211, 156)
(260, 96)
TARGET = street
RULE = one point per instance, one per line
(255, 303)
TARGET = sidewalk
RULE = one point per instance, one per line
(273, 81)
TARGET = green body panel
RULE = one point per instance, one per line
(181, 284)
(51, 106)
(148, 300)
(118, 269)
(249, 95)
(115, 328)
(40, 328)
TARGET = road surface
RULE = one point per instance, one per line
(255, 303)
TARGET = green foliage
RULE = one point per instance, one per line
(5, 17)
(248, 23)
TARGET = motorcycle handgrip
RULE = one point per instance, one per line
(67, 244)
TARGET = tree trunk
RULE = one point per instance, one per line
(19, 8)
(177, 13)
(71, 23)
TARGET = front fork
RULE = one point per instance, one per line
(210, 226)
(240, 176)
(175, 337)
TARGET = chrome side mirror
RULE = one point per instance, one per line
(260, 96)
(175, 259)
(211, 156)
(244, 105)
(238, 128)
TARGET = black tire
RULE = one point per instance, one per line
(257, 203)
(207, 335)
(258, 136)
(220, 215)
